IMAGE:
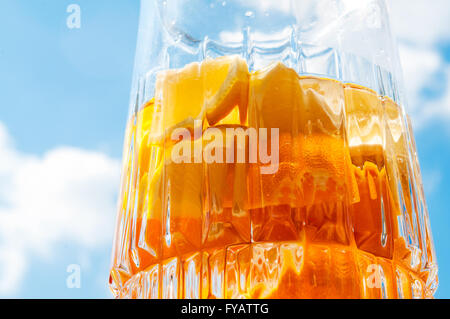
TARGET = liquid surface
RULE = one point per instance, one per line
(343, 216)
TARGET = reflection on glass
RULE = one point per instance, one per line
(268, 155)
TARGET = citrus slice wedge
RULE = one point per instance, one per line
(314, 162)
(227, 81)
(210, 89)
(181, 96)
(183, 197)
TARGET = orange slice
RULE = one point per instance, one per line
(181, 95)
(153, 214)
(376, 197)
(274, 98)
(314, 162)
(155, 196)
(279, 98)
(183, 187)
(227, 87)
(364, 112)
(210, 89)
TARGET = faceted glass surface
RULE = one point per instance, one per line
(343, 215)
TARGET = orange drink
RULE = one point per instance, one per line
(268, 184)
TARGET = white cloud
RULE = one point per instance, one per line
(68, 194)
(420, 65)
(422, 22)
(437, 108)
(13, 267)
(421, 25)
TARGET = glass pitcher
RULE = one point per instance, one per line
(268, 155)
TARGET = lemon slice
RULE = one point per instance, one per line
(211, 90)
(280, 98)
(181, 95)
(275, 96)
(314, 162)
(228, 81)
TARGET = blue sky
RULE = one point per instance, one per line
(63, 106)
(64, 91)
